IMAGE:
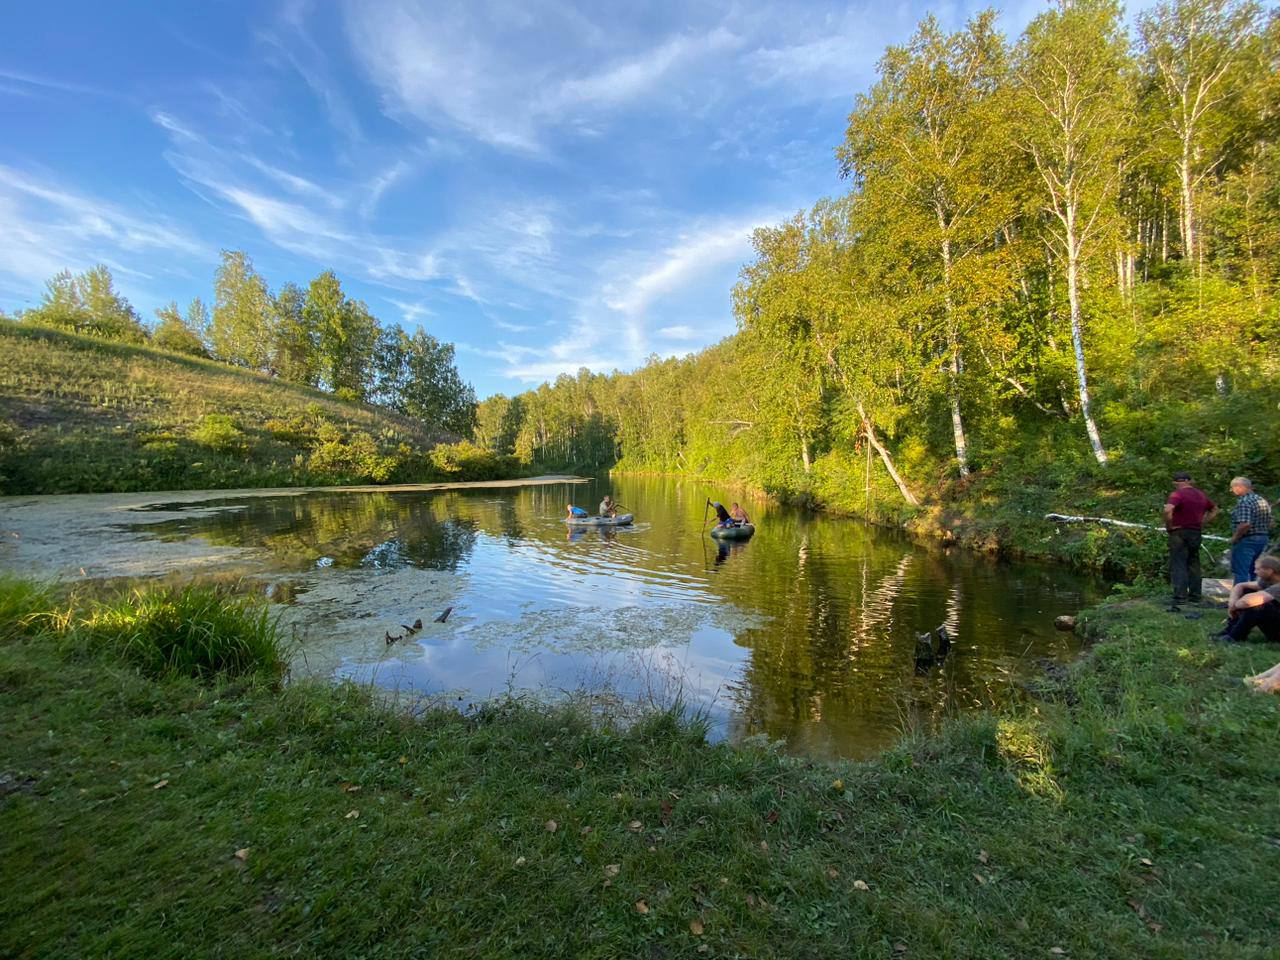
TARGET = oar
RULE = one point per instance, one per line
(704, 516)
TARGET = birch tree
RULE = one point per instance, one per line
(1192, 53)
(1072, 107)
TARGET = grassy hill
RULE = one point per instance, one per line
(79, 414)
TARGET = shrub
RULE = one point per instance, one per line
(353, 456)
(465, 460)
(219, 433)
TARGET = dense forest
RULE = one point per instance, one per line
(317, 337)
(1051, 282)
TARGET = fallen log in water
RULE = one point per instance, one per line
(1109, 522)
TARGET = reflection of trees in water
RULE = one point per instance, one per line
(377, 530)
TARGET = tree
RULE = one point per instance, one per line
(498, 422)
(89, 303)
(296, 352)
(175, 333)
(1073, 104)
(416, 376)
(922, 148)
(241, 330)
(346, 335)
(1192, 51)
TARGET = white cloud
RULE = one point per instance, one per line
(678, 332)
(506, 78)
(49, 227)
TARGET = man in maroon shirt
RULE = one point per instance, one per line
(1185, 515)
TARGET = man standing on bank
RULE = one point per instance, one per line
(1185, 515)
(1250, 527)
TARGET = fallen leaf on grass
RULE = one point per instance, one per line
(612, 869)
(584, 831)
(348, 787)
(635, 826)
(579, 765)
(772, 817)
(703, 948)
(980, 878)
(724, 881)
(695, 927)
(764, 845)
(642, 907)
(160, 785)
(837, 784)
(1141, 911)
(899, 949)
(521, 861)
(353, 815)
(242, 854)
(983, 856)
(653, 849)
(402, 761)
(750, 899)
(1146, 862)
(832, 873)
(552, 826)
(1057, 951)
(860, 885)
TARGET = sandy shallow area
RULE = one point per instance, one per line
(88, 536)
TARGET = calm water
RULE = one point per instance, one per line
(805, 633)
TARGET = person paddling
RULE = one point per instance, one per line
(607, 507)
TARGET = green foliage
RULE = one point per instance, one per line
(180, 334)
(243, 326)
(88, 303)
(219, 433)
(416, 376)
(465, 460)
(349, 455)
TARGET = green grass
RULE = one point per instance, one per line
(1130, 810)
(79, 414)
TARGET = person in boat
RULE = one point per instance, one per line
(573, 513)
(739, 515)
(607, 507)
(722, 518)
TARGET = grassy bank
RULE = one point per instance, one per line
(85, 415)
(1130, 810)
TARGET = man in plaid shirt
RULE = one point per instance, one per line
(1250, 527)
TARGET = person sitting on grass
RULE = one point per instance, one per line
(572, 513)
(1255, 604)
(739, 515)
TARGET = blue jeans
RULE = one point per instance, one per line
(1243, 553)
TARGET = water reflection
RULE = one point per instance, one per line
(805, 632)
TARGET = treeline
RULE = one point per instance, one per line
(317, 337)
(1055, 270)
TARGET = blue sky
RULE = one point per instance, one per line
(548, 186)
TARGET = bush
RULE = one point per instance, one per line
(195, 631)
(219, 433)
(465, 460)
(351, 456)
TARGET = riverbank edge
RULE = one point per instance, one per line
(1127, 809)
(1111, 551)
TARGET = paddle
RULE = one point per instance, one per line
(704, 516)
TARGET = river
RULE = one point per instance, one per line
(805, 633)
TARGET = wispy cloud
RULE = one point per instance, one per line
(460, 66)
(50, 227)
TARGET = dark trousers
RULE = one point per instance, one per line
(1184, 564)
(1266, 618)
